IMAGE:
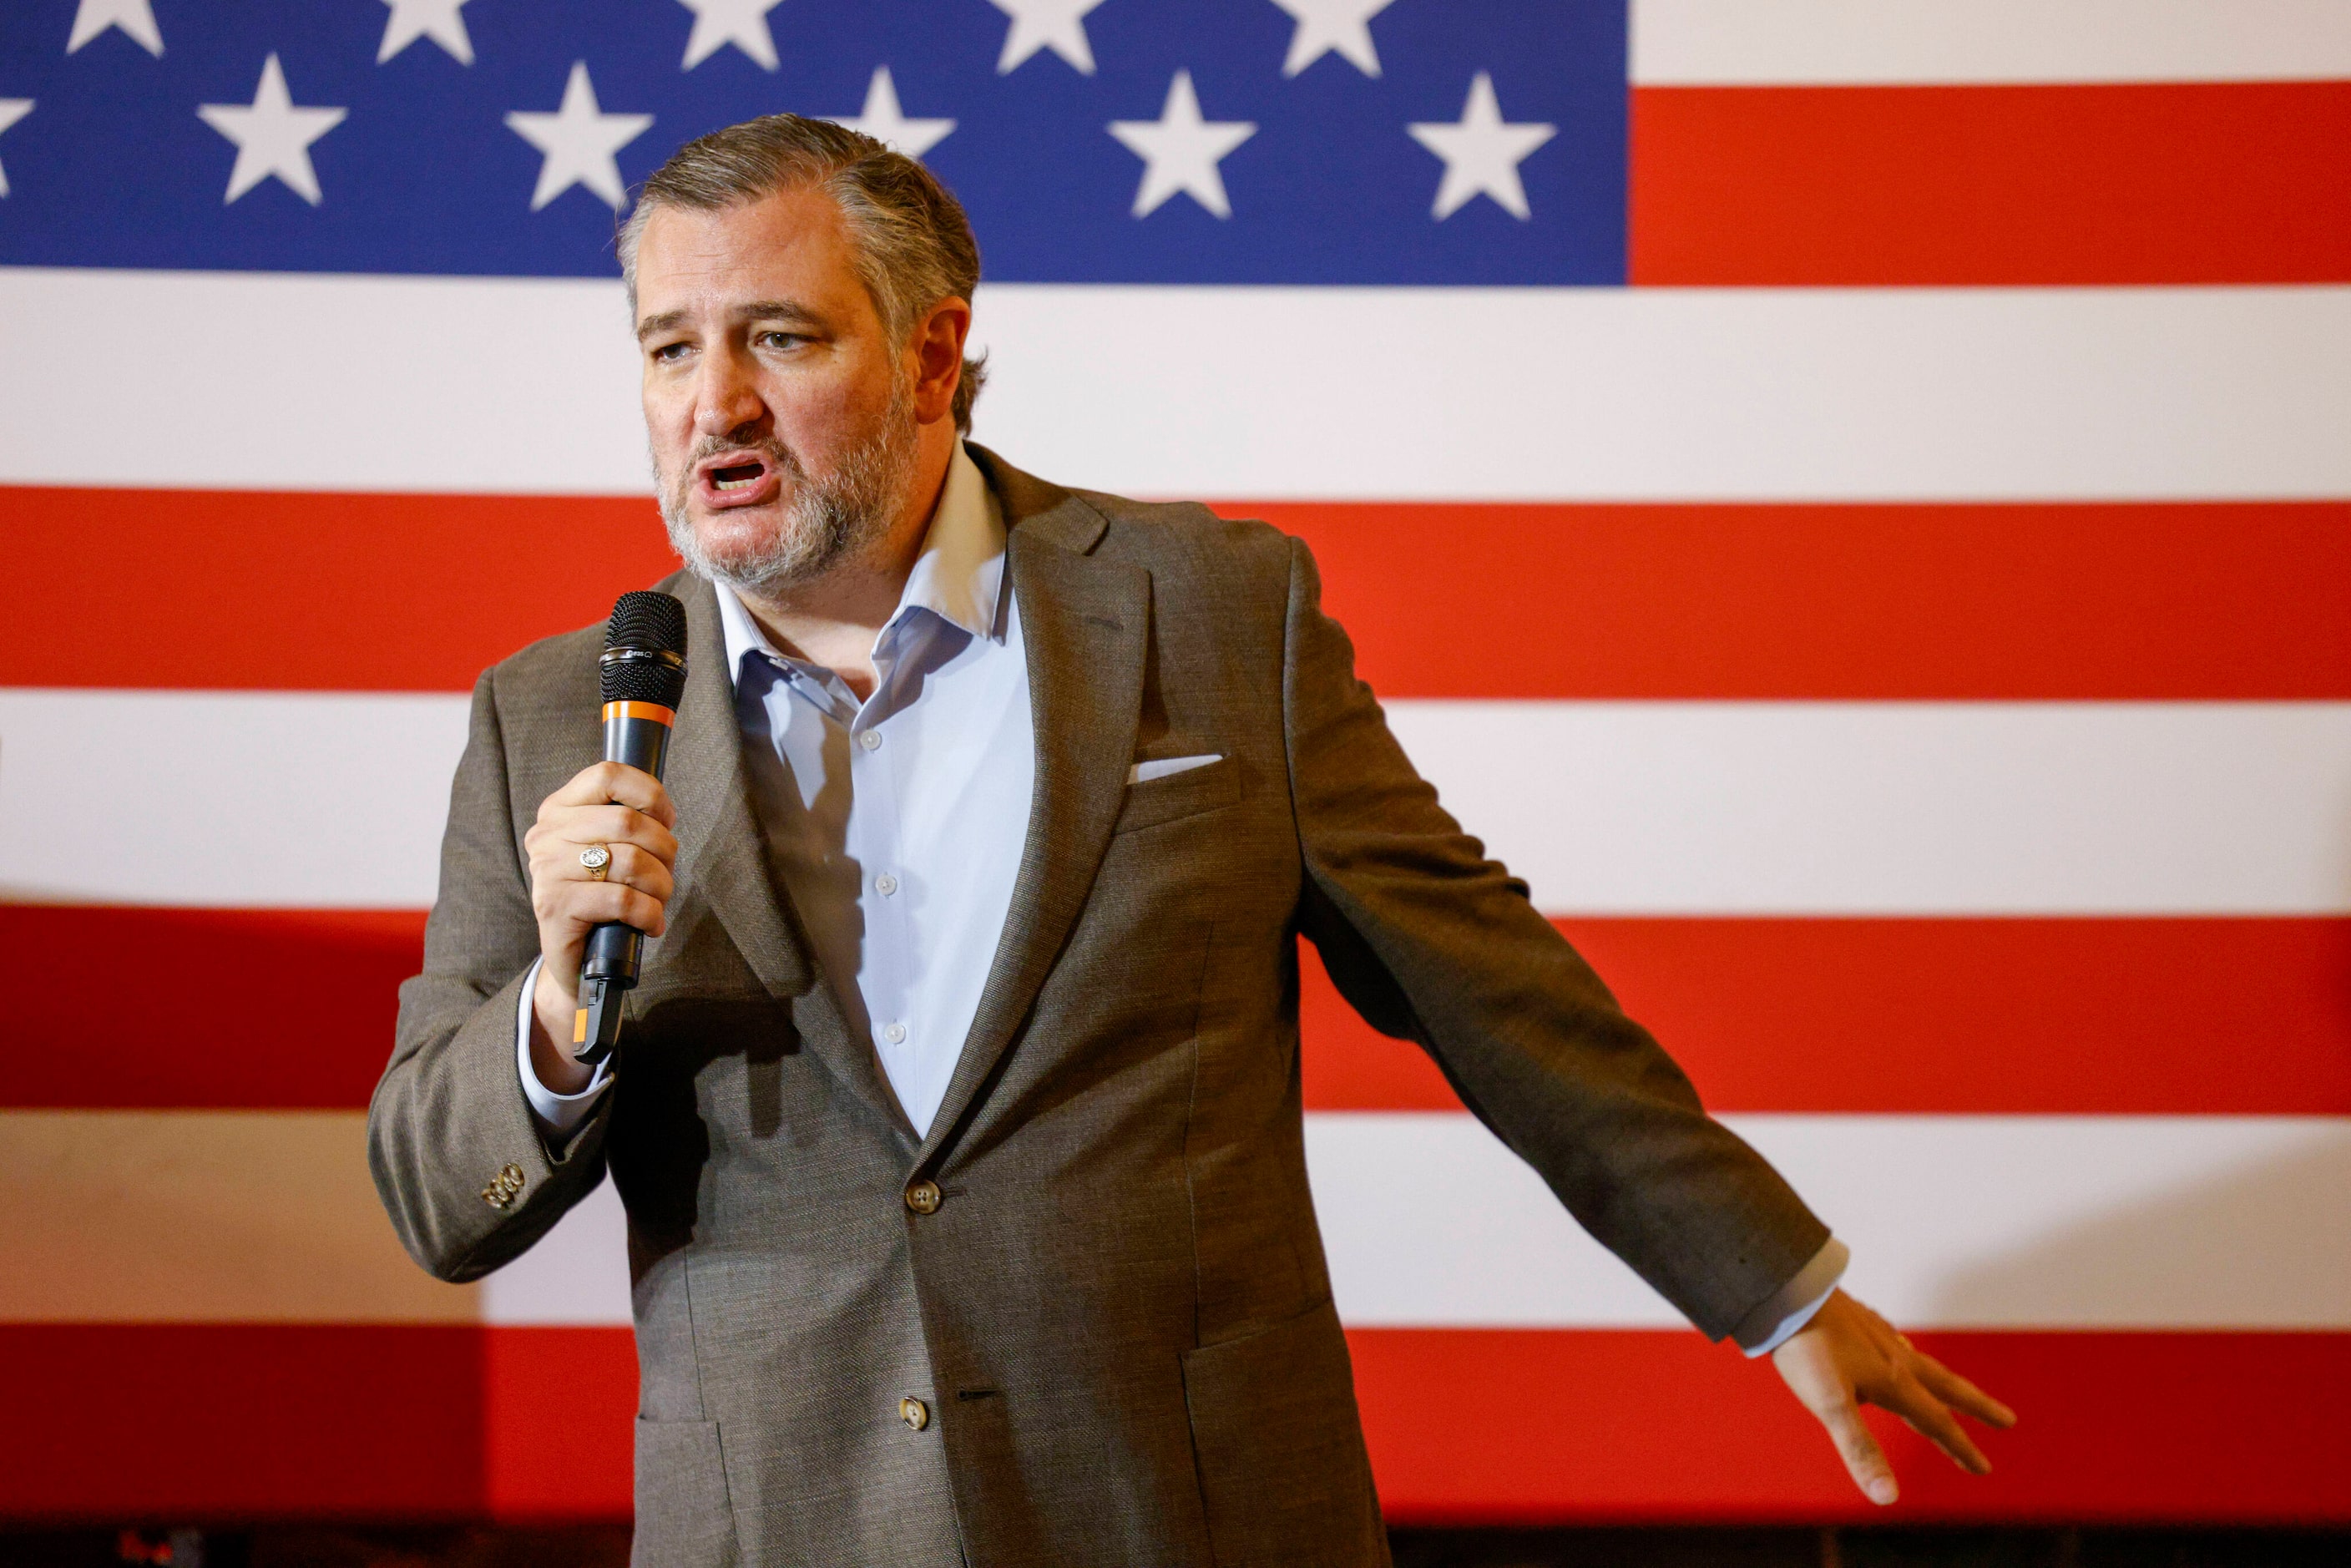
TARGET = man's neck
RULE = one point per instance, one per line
(834, 620)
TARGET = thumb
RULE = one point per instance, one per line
(1857, 1447)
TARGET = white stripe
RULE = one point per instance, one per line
(315, 800)
(1696, 42)
(307, 381)
(2093, 1222)
(1954, 1222)
(300, 382)
(579, 1272)
(1902, 808)
(226, 800)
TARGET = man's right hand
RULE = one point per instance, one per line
(628, 813)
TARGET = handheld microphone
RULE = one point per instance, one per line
(643, 669)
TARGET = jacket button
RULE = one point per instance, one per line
(922, 1198)
(913, 1413)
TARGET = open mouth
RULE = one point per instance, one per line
(737, 479)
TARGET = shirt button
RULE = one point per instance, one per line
(913, 1413)
(870, 740)
(895, 1034)
(885, 884)
(922, 1198)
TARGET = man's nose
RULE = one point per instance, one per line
(727, 400)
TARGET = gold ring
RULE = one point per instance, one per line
(597, 858)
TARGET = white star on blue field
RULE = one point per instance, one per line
(1305, 141)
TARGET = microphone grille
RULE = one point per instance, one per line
(647, 620)
(645, 623)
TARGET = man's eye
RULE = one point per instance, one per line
(669, 352)
(780, 339)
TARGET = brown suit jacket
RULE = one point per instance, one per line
(1118, 1314)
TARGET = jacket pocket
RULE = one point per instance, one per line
(683, 1518)
(1283, 1474)
(1175, 795)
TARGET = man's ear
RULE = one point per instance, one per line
(937, 347)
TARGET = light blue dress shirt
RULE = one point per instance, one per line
(896, 824)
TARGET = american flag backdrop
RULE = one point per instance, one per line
(1851, 498)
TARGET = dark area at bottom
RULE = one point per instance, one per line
(607, 1546)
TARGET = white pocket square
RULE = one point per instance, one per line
(1161, 767)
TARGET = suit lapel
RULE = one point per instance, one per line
(725, 862)
(1086, 624)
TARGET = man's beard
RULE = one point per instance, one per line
(824, 521)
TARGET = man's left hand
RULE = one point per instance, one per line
(1848, 1356)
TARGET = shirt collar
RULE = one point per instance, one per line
(958, 574)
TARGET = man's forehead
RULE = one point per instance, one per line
(798, 228)
(746, 259)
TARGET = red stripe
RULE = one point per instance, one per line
(2132, 183)
(2248, 1016)
(227, 1419)
(290, 1420)
(158, 1007)
(1464, 1425)
(2117, 601)
(1856, 601)
(1528, 1426)
(561, 1407)
(258, 590)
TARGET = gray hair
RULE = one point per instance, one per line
(913, 244)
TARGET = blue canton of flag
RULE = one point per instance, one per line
(1363, 141)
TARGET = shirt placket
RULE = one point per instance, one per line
(877, 843)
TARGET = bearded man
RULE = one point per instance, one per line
(958, 1114)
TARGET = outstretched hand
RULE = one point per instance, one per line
(1848, 1356)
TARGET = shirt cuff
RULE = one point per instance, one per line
(557, 1115)
(1792, 1306)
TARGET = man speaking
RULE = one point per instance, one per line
(956, 1114)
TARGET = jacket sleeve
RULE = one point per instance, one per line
(456, 1154)
(1430, 940)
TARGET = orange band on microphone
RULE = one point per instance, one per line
(579, 1027)
(652, 711)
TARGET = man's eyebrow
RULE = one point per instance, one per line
(756, 310)
(777, 310)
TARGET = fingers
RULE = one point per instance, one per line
(581, 905)
(1899, 1383)
(1957, 1391)
(610, 782)
(580, 826)
(630, 866)
(1865, 1461)
(1932, 1419)
(562, 831)
(643, 852)
(627, 812)
(1914, 1385)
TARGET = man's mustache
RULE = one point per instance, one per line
(778, 455)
